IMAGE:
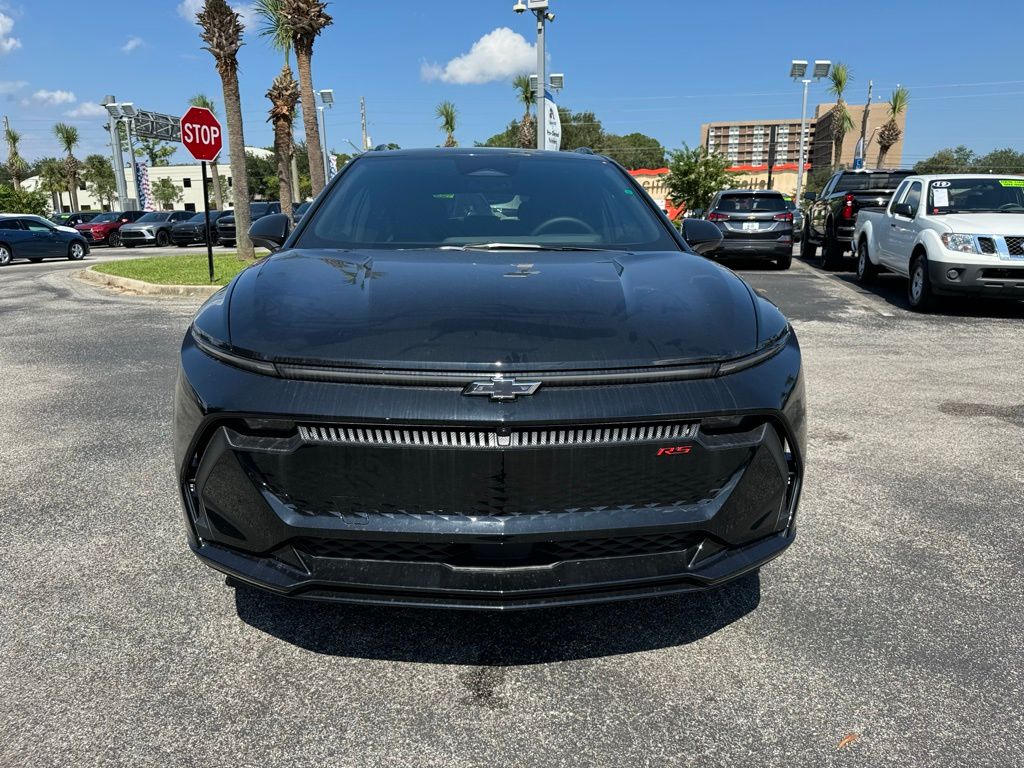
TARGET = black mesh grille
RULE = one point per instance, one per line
(500, 555)
(1003, 274)
(987, 244)
(1015, 245)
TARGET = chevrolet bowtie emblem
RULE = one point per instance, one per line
(500, 388)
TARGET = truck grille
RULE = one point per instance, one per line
(470, 438)
(988, 245)
(1015, 245)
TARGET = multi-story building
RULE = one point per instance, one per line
(747, 143)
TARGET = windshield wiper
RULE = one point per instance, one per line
(516, 247)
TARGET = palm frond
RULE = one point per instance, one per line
(204, 101)
(273, 25)
(524, 91)
(67, 136)
(898, 102)
(840, 77)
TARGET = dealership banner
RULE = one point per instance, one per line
(552, 124)
(146, 202)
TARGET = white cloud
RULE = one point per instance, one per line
(498, 55)
(50, 98)
(86, 109)
(131, 44)
(10, 86)
(7, 43)
(188, 9)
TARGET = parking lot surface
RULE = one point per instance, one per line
(889, 634)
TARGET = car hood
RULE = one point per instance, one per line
(984, 223)
(62, 228)
(134, 227)
(505, 311)
(99, 225)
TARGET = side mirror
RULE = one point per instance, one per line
(810, 197)
(903, 209)
(271, 231)
(702, 236)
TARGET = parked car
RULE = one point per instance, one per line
(35, 239)
(798, 219)
(105, 229)
(74, 219)
(61, 227)
(299, 210)
(404, 405)
(753, 222)
(152, 229)
(193, 229)
(226, 225)
(948, 234)
(832, 215)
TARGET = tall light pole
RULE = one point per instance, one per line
(540, 10)
(114, 115)
(326, 100)
(798, 71)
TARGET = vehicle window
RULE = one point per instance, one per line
(36, 226)
(259, 209)
(181, 216)
(105, 217)
(10, 224)
(913, 198)
(153, 216)
(854, 182)
(899, 194)
(830, 185)
(424, 202)
(751, 203)
(200, 218)
(303, 208)
(979, 195)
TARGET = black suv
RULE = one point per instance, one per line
(226, 224)
(193, 230)
(755, 223)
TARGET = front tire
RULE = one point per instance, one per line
(162, 239)
(114, 240)
(76, 252)
(919, 286)
(5, 255)
(832, 253)
(866, 271)
(808, 250)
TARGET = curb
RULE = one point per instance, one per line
(143, 288)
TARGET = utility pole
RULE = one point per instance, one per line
(113, 116)
(542, 132)
(362, 113)
(864, 124)
(772, 132)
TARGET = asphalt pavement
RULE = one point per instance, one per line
(891, 633)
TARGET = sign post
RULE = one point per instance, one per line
(202, 137)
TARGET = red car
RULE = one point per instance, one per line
(104, 228)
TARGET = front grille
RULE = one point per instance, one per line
(480, 438)
(1003, 274)
(988, 245)
(502, 555)
(1015, 245)
(132, 235)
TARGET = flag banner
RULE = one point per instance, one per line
(552, 123)
(146, 202)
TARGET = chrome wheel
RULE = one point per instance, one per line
(76, 252)
(5, 255)
(917, 284)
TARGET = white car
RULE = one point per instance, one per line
(948, 234)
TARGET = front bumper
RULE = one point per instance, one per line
(136, 237)
(1003, 278)
(371, 524)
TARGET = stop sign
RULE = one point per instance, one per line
(201, 134)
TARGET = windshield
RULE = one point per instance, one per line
(154, 216)
(543, 201)
(302, 208)
(113, 216)
(751, 203)
(981, 195)
(200, 218)
(853, 182)
(259, 209)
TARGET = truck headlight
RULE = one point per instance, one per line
(960, 242)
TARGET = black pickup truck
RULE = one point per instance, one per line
(830, 217)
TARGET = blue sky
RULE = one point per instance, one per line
(657, 66)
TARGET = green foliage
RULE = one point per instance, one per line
(634, 150)
(156, 152)
(964, 160)
(448, 116)
(695, 175)
(262, 175)
(18, 200)
(816, 180)
(98, 175)
(166, 193)
(191, 269)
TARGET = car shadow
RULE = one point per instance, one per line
(539, 636)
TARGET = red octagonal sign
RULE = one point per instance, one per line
(201, 134)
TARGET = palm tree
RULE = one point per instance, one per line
(284, 97)
(52, 180)
(305, 19)
(204, 101)
(526, 96)
(890, 132)
(840, 76)
(222, 32)
(67, 137)
(16, 165)
(447, 114)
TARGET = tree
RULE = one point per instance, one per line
(156, 152)
(840, 76)
(222, 32)
(580, 129)
(527, 97)
(695, 175)
(52, 180)
(817, 179)
(98, 175)
(956, 160)
(284, 97)
(507, 138)
(18, 200)
(1005, 161)
(201, 100)
(447, 114)
(306, 19)
(166, 193)
(16, 166)
(67, 137)
(634, 150)
(261, 176)
(890, 132)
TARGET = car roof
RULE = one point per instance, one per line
(931, 176)
(425, 152)
(764, 192)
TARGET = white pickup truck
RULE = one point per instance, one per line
(948, 234)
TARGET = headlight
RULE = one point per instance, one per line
(959, 242)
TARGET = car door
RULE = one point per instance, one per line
(886, 226)
(14, 234)
(42, 240)
(819, 209)
(902, 231)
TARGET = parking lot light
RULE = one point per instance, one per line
(798, 71)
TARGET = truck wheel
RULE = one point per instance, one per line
(831, 252)
(866, 271)
(919, 286)
(808, 250)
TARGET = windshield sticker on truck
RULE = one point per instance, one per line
(1011, 182)
(940, 184)
(940, 197)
